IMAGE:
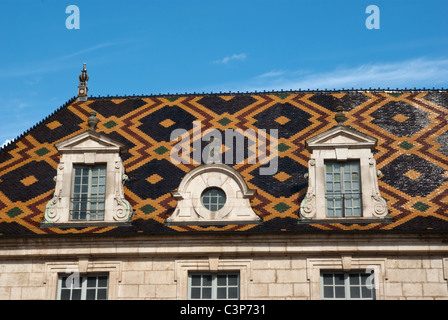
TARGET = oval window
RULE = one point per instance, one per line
(213, 199)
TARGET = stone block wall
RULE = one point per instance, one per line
(277, 277)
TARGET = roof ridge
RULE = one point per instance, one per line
(12, 142)
(291, 91)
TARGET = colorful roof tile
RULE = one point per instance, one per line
(411, 128)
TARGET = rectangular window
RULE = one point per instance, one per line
(88, 193)
(88, 287)
(348, 286)
(214, 286)
(343, 189)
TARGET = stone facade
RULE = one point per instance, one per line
(283, 266)
(273, 230)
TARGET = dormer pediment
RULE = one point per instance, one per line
(341, 137)
(90, 141)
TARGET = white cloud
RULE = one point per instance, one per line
(234, 57)
(419, 72)
(54, 64)
(272, 73)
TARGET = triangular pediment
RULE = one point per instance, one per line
(89, 141)
(341, 136)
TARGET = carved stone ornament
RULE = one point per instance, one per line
(236, 209)
(342, 143)
(88, 148)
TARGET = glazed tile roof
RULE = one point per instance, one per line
(412, 153)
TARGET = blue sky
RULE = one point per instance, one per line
(153, 46)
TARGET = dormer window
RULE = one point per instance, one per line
(343, 189)
(213, 199)
(89, 183)
(89, 193)
(213, 194)
(342, 177)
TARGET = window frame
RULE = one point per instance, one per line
(346, 285)
(89, 200)
(83, 285)
(208, 205)
(190, 209)
(89, 149)
(342, 143)
(214, 285)
(343, 193)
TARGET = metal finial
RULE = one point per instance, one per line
(92, 120)
(340, 117)
(83, 77)
(82, 88)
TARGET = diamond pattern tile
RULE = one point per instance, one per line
(411, 128)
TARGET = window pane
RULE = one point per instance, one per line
(64, 283)
(222, 293)
(354, 293)
(328, 279)
(233, 280)
(90, 294)
(102, 282)
(339, 292)
(213, 199)
(337, 186)
(339, 279)
(328, 292)
(91, 282)
(348, 186)
(76, 294)
(65, 294)
(338, 203)
(102, 294)
(222, 280)
(206, 293)
(233, 293)
(195, 293)
(354, 279)
(366, 293)
(357, 212)
(207, 280)
(195, 280)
